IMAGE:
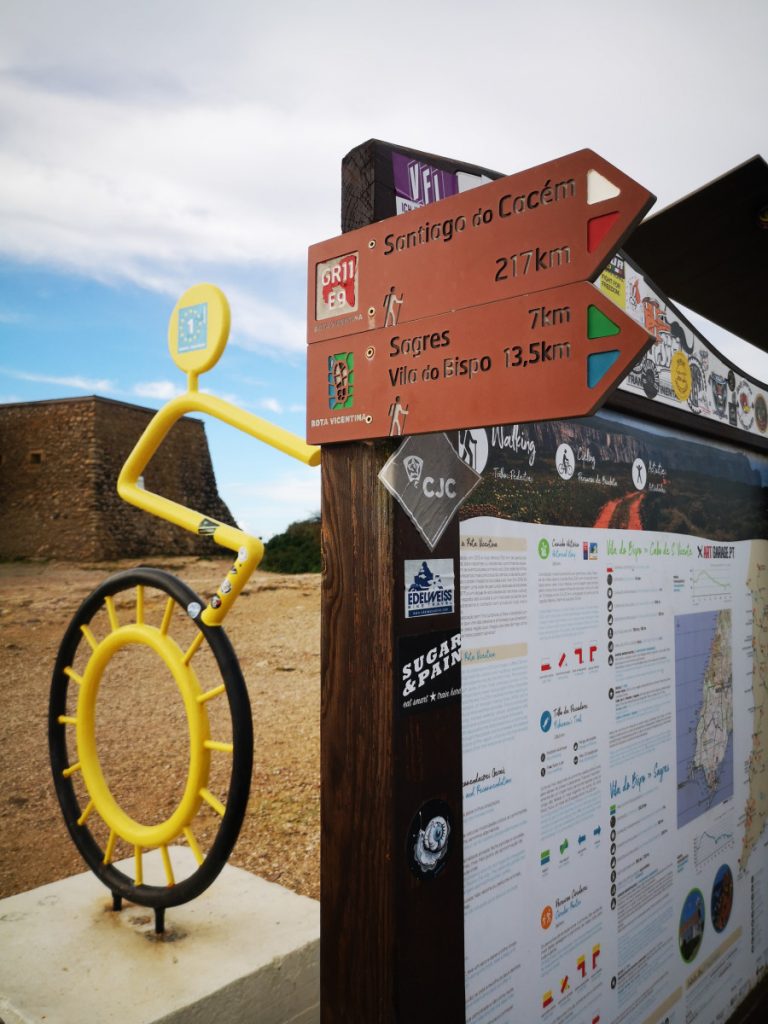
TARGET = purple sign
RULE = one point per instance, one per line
(417, 184)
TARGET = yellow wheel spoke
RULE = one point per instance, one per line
(112, 614)
(66, 720)
(69, 671)
(193, 845)
(226, 748)
(211, 800)
(86, 813)
(71, 770)
(139, 604)
(110, 847)
(167, 865)
(167, 616)
(139, 865)
(193, 648)
(85, 630)
(215, 692)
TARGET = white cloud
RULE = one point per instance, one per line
(260, 325)
(122, 192)
(89, 384)
(159, 389)
(270, 405)
(209, 144)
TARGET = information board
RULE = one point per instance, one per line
(614, 724)
(493, 596)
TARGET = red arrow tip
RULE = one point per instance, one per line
(598, 228)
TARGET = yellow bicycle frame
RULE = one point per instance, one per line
(195, 344)
(250, 550)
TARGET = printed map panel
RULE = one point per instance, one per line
(703, 685)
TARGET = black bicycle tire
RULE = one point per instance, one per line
(217, 855)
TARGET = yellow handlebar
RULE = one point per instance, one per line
(249, 549)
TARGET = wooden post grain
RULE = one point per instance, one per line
(392, 943)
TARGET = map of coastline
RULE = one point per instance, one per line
(704, 688)
(756, 807)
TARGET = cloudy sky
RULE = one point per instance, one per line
(147, 146)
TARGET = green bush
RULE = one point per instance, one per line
(296, 550)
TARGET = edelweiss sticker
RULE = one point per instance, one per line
(429, 587)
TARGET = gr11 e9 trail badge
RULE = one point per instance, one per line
(336, 287)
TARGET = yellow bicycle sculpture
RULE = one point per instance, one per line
(123, 614)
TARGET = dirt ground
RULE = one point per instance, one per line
(141, 726)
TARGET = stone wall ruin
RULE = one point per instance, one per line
(59, 463)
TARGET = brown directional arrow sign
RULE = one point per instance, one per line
(547, 354)
(545, 227)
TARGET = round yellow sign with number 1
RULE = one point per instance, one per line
(199, 328)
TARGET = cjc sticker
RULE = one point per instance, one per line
(429, 480)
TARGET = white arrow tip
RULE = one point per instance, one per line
(599, 188)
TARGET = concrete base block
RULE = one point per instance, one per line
(245, 951)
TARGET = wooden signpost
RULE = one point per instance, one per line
(474, 312)
(429, 322)
(547, 226)
(518, 358)
(452, 845)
